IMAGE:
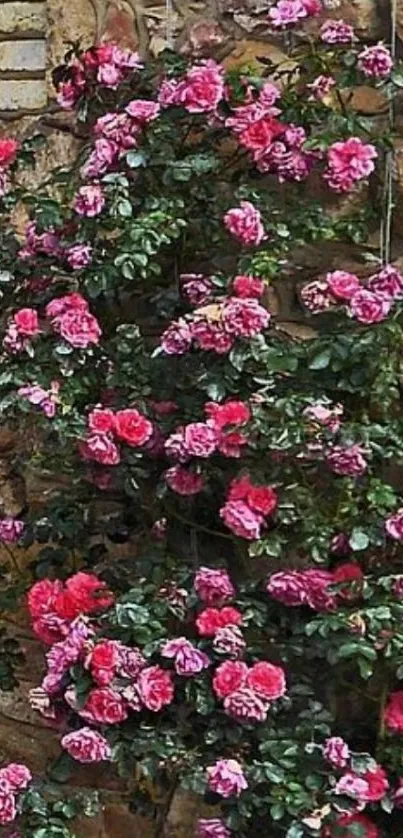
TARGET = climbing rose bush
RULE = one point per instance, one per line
(218, 585)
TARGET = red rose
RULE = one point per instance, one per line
(262, 499)
(101, 420)
(212, 619)
(394, 712)
(229, 677)
(42, 597)
(85, 594)
(26, 320)
(229, 413)
(132, 427)
(377, 784)
(248, 286)
(103, 661)
(8, 152)
(266, 680)
(155, 687)
(348, 572)
(104, 706)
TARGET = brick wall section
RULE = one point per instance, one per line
(23, 27)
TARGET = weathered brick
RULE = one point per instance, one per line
(22, 95)
(20, 17)
(28, 56)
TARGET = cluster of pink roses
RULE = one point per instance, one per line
(220, 433)
(49, 243)
(247, 507)
(199, 91)
(106, 65)
(53, 605)
(69, 316)
(128, 426)
(216, 327)
(321, 590)
(247, 692)
(368, 303)
(14, 778)
(116, 133)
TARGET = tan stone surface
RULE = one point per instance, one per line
(20, 17)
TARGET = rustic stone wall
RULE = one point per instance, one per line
(33, 39)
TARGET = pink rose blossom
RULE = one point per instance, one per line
(244, 317)
(337, 32)
(156, 688)
(19, 776)
(349, 161)
(287, 587)
(394, 525)
(342, 284)
(104, 706)
(321, 87)
(78, 327)
(213, 587)
(229, 641)
(109, 75)
(86, 746)
(211, 336)
(336, 752)
(316, 296)
(375, 62)
(177, 338)
(245, 706)
(226, 778)
(187, 658)
(241, 520)
(200, 440)
(347, 461)
(196, 288)
(229, 677)
(387, 284)
(202, 88)
(245, 224)
(8, 810)
(11, 530)
(100, 448)
(327, 417)
(184, 481)
(101, 420)
(143, 110)
(248, 287)
(89, 201)
(60, 305)
(287, 12)
(212, 828)
(79, 256)
(46, 400)
(266, 680)
(369, 308)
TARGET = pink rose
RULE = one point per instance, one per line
(19, 776)
(375, 61)
(212, 828)
(245, 223)
(183, 481)
(288, 587)
(368, 307)
(156, 688)
(244, 318)
(200, 440)
(229, 677)
(213, 587)
(8, 810)
(79, 256)
(342, 284)
(245, 706)
(105, 706)
(248, 286)
(347, 461)
(394, 525)
(26, 321)
(86, 745)
(387, 284)
(11, 530)
(60, 305)
(132, 427)
(143, 110)
(188, 659)
(393, 715)
(100, 448)
(241, 520)
(336, 751)
(266, 680)
(337, 32)
(78, 328)
(177, 338)
(202, 89)
(89, 200)
(226, 778)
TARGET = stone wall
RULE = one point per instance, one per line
(33, 39)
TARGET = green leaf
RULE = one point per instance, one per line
(321, 360)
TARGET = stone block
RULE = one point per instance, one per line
(20, 17)
(23, 56)
(27, 95)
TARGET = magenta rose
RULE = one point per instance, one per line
(241, 520)
(78, 327)
(100, 448)
(336, 752)
(226, 778)
(342, 284)
(245, 224)
(86, 745)
(368, 307)
(187, 658)
(105, 706)
(156, 688)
